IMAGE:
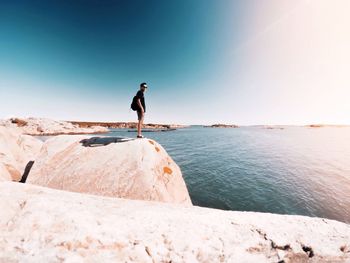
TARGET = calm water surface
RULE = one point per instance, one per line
(297, 170)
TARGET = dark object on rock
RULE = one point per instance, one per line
(345, 249)
(309, 251)
(26, 172)
(19, 122)
(103, 141)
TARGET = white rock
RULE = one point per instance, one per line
(137, 169)
(16, 150)
(4, 173)
(39, 224)
(44, 126)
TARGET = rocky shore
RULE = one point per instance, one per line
(221, 126)
(106, 199)
(126, 125)
(43, 126)
(38, 224)
(47, 127)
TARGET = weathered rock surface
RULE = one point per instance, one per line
(136, 169)
(16, 150)
(4, 173)
(39, 224)
(43, 126)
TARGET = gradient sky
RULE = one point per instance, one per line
(205, 61)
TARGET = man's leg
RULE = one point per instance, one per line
(139, 124)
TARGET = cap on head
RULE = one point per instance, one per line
(143, 84)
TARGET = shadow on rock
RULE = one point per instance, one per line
(103, 141)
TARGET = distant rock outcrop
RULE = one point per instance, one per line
(327, 126)
(16, 150)
(127, 125)
(39, 224)
(135, 169)
(43, 126)
(222, 126)
(273, 127)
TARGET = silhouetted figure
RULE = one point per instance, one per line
(138, 105)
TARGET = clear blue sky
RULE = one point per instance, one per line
(205, 61)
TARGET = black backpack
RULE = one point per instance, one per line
(134, 105)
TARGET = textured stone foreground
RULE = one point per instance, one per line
(39, 224)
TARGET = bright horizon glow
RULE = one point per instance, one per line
(249, 62)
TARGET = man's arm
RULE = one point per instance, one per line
(140, 105)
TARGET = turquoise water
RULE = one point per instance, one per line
(297, 170)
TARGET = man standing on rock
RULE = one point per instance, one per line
(138, 104)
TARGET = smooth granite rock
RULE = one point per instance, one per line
(39, 224)
(16, 150)
(136, 169)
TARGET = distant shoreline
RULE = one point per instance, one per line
(126, 125)
(48, 127)
(221, 126)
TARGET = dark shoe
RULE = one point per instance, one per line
(140, 136)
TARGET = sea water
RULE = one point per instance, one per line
(295, 170)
